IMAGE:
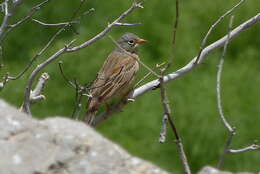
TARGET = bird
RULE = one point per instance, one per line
(116, 75)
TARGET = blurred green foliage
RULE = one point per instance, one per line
(193, 97)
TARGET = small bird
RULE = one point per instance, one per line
(116, 75)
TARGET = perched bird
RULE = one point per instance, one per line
(116, 74)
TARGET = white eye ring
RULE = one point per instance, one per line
(130, 42)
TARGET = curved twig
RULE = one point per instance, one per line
(204, 41)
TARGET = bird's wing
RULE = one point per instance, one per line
(121, 76)
(117, 71)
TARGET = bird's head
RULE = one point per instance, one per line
(130, 42)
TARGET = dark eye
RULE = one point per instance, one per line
(130, 42)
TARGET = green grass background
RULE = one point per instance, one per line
(192, 97)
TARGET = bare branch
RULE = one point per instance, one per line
(204, 41)
(56, 24)
(226, 148)
(218, 88)
(190, 66)
(26, 106)
(67, 49)
(220, 110)
(127, 24)
(4, 82)
(36, 95)
(245, 149)
(163, 131)
(167, 113)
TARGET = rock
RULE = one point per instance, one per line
(211, 170)
(60, 146)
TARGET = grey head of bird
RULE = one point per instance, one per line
(130, 42)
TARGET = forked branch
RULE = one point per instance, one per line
(231, 130)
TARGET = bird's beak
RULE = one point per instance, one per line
(140, 41)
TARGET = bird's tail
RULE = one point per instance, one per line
(90, 116)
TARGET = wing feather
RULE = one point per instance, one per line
(115, 75)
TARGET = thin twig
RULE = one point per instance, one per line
(127, 24)
(148, 74)
(219, 73)
(204, 41)
(167, 113)
(226, 148)
(37, 55)
(74, 85)
(142, 79)
(75, 13)
(78, 99)
(175, 29)
(56, 24)
(67, 49)
(218, 89)
(28, 16)
(84, 14)
(245, 149)
(230, 129)
(1, 58)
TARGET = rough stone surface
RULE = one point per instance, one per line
(60, 146)
(63, 146)
(211, 170)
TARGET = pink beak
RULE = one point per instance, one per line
(140, 41)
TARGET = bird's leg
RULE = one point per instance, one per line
(125, 98)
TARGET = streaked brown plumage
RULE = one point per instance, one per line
(116, 74)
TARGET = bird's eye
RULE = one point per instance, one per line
(131, 42)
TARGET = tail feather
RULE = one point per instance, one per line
(90, 116)
(92, 111)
